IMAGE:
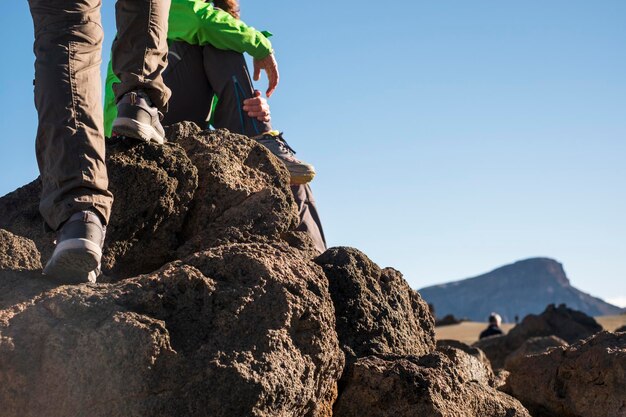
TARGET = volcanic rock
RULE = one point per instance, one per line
(432, 385)
(533, 346)
(587, 379)
(561, 321)
(243, 190)
(18, 253)
(377, 312)
(243, 329)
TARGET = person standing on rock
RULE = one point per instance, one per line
(75, 201)
(494, 326)
(210, 84)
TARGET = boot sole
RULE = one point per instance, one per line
(74, 261)
(124, 126)
(301, 179)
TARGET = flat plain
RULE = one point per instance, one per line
(468, 331)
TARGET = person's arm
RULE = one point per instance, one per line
(200, 23)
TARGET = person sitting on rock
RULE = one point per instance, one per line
(494, 326)
(211, 85)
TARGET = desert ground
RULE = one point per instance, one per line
(468, 331)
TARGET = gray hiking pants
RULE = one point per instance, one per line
(68, 97)
(195, 74)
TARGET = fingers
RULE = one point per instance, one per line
(257, 107)
(270, 66)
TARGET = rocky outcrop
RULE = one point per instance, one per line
(242, 194)
(18, 253)
(377, 312)
(515, 290)
(210, 305)
(532, 346)
(251, 316)
(587, 379)
(620, 329)
(228, 318)
(470, 350)
(561, 321)
(452, 385)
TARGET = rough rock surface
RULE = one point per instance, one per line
(432, 385)
(229, 319)
(200, 190)
(242, 329)
(533, 346)
(18, 253)
(620, 329)
(471, 350)
(587, 379)
(243, 192)
(377, 312)
(563, 322)
(152, 185)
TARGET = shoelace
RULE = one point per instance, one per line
(283, 143)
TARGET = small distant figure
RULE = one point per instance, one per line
(494, 326)
(516, 319)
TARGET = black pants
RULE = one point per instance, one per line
(195, 74)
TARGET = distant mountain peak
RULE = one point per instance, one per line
(517, 289)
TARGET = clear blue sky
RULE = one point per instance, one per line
(450, 137)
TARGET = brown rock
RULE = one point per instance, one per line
(563, 322)
(243, 192)
(377, 312)
(620, 329)
(18, 253)
(244, 329)
(533, 346)
(470, 350)
(152, 185)
(432, 385)
(587, 379)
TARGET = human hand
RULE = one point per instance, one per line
(270, 66)
(257, 107)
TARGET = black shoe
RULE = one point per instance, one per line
(76, 257)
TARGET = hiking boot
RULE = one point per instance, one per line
(137, 118)
(301, 172)
(76, 257)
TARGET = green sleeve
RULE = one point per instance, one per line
(199, 23)
(110, 108)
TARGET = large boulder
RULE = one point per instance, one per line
(152, 186)
(242, 329)
(587, 379)
(200, 190)
(533, 346)
(377, 312)
(452, 385)
(228, 318)
(243, 190)
(562, 322)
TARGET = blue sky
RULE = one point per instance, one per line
(450, 137)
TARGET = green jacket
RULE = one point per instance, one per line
(198, 23)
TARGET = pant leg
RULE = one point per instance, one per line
(192, 94)
(139, 53)
(70, 140)
(227, 73)
(309, 218)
